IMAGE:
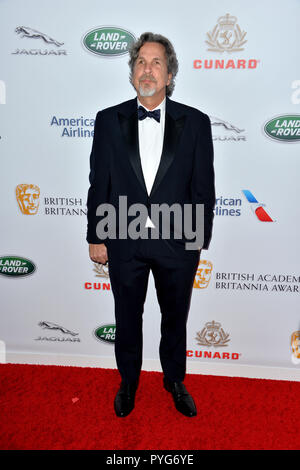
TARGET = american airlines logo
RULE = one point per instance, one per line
(257, 207)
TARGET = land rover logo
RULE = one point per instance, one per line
(106, 333)
(285, 128)
(16, 266)
(108, 41)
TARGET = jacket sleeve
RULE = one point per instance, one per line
(99, 178)
(203, 180)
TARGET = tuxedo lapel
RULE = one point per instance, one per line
(129, 128)
(173, 129)
(174, 123)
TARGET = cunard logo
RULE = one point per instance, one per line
(212, 335)
(101, 270)
(226, 35)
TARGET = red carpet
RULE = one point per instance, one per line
(54, 407)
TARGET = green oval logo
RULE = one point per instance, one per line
(14, 266)
(285, 128)
(106, 333)
(108, 41)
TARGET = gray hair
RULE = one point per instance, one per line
(172, 62)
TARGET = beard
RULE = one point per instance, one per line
(147, 91)
(144, 93)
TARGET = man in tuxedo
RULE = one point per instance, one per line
(154, 151)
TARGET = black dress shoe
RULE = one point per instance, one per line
(184, 402)
(124, 400)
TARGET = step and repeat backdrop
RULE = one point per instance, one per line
(61, 62)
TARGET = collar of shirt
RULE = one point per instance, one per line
(161, 106)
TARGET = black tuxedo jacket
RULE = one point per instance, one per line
(185, 174)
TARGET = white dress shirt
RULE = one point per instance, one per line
(151, 138)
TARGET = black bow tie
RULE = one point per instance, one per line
(143, 113)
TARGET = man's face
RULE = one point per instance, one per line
(150, 73)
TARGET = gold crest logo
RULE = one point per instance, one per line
(28, 197)
(101, 270)
(226, 35)
(203, 274)
(212, 335)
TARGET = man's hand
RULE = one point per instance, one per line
(98, 253)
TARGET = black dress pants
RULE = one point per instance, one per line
(173, 276)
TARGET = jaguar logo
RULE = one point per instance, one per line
(53, 326)
(27, 32)
(220, 123)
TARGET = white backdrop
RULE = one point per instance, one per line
(245, 305)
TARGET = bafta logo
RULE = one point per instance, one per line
(28, 197)
(226, 35)
(212, 335)
(203, 274)
(295, 343)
